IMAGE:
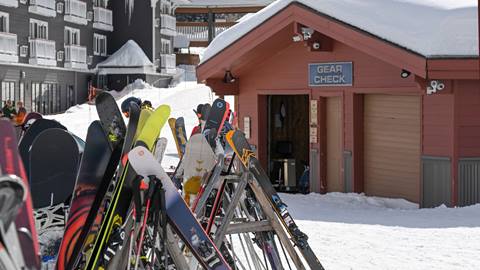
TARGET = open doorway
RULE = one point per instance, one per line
(288, 139)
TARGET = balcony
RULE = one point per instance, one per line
(197, 32)
(75, 57)
(168, 25)
(168, 63)
(76, 12)
(8, 47)
(42, 52)
(43, 7)
(9, 3)
(102, 19)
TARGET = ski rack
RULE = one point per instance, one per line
(232, 223)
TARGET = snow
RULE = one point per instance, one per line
(352, 231)
(182, 100)
(432, 28)
(346, 231)
(129, 55)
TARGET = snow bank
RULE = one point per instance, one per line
(431, 28)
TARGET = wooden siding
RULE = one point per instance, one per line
(467, 108)
(392, 146)
(334, 130)
(437, 127)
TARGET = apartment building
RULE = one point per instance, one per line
(49, 49)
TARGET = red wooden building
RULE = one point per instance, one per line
(366, 114)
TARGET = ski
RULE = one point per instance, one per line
(242, 148)
(177, 126)
(92, 168)
(11, 163)
(122, 194)
(179, 215)
(217, 116)
(111, 118)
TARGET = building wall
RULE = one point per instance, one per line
(138, 29)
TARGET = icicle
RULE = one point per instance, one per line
(129, 5)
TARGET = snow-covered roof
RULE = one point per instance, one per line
(432, 28)
(224, 3)
(129, 59)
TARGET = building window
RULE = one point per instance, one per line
(99, 44)
(70, 97)
(60, 55)
(21, 93)
(60, 7)
(100, 3)
(165, 46)
(72, 36)
(36, 97)
(8, 91)
(4, 22)
(38, 29)
(23, 51)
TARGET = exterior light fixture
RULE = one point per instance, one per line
(297, 38)
(405, 73)
(229, 78)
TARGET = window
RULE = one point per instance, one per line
(38, 29)
(60, 55)
(23, 51)
(8, 91)
(21, 92)
(165, 46)
(100, 3)
(99, 45)
(70, 97)
(72, 36)
(4, 22)
(60, 7)
(36, 97)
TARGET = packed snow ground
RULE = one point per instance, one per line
(346, 231)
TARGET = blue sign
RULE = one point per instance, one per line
(330, 74)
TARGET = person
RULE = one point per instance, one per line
(147, 105)
(125, 106)
(21, 113)
(8, 110)
(198, 128)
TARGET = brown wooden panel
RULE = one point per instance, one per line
(392, 146)
(334, 144)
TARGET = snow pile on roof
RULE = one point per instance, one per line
(433, 28)
(224, 3)
(129, 55)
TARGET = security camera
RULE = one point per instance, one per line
(307, 33)
(316, 45)
(435, 86)
(440, 86)
(297, 38)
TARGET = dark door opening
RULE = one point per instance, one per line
(288, 139)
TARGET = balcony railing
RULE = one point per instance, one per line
(43, 7)
(9, 3)
(168, 63)
(102, 19)
(168, 25)
(42, 52)
(76, 11)
(198, 31)
(75, 56)
(8, 47)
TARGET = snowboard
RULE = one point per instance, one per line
(93, 165)
(33, 131)
(53, 167)
(242, 148)
(111, 118)
(122, 194)
(11, 163)
(179, 215)
(198, 160)
(217, 115)
(100, 201)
